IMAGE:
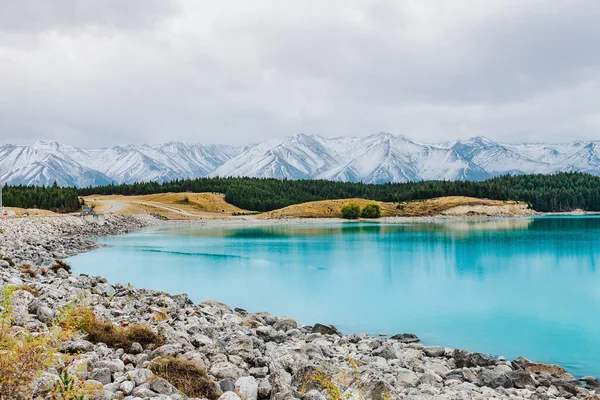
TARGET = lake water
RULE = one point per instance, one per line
(508, 287)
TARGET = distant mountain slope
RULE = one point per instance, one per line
(377, 158)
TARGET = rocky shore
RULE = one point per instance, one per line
(245, 355)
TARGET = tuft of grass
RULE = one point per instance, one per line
(7, 259)
(118, 337)
(160, 316)
(186, 376)
(60, 264)
(29, 289)
(27, 269)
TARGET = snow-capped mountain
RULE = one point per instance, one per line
(42, 163)
(377, 158)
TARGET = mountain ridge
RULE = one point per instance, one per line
(377, 158)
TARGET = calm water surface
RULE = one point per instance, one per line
(508, 287)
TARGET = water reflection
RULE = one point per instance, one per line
(508, 286)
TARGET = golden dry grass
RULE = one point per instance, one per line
(182, 206)
(33, 212)
(437, 206)
(327, 209)
(420, 208)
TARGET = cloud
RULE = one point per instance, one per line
(100, 73)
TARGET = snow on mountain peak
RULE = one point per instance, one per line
(381, 157)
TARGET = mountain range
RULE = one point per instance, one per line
(377, 158)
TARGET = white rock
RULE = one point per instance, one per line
(247, 387)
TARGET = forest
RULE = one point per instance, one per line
(564, 191)
(52, 198)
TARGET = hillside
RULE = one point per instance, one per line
(448, 206)
(169, 205)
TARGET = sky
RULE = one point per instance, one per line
(97, 73)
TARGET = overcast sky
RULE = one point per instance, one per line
(97, 73)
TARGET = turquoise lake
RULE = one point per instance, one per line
(507, 287)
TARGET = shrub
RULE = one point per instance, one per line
(28, 270)
(350, 211)
(25, 356)
(22, 358)
(186, 376)
(8, 260)
(60, 264)
(76, 318)
(117, 337)
(29, 289)
(371, 211)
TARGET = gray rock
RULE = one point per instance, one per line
(101, 375)
(112, 365)
(464, 358)
(313, 395)
(140, 376)
(78, 346)
(225, 370)
(521, 379)
(430, 378)
(247, 388)
(406, 338)
(285, 324)
(126, 387)
(407, 377)
(264, 389)
(591, 382)
(167, 350)
(386, 351)
(227, 385)
(433, 351)
(4, 264)
(136, 348)
(325, 329)
(229, 396)
(161, 386)
(495, 379)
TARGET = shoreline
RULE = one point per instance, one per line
(399, 366)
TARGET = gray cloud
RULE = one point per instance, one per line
(41, 15)
(100, 73)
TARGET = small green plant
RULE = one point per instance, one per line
(371, 211)
(350, 211)
(70, 387)
(323, 381)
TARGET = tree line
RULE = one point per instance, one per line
(562, 191)
(52, 198)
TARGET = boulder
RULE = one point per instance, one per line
(406, 338)
(161, 386)
(101, 375)
(225, 370)
(229, 396)
(285, 324)
(521, 379)
(325, 329)
(433, 351)
(495, 379)
(247, 388)
(464, 358)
